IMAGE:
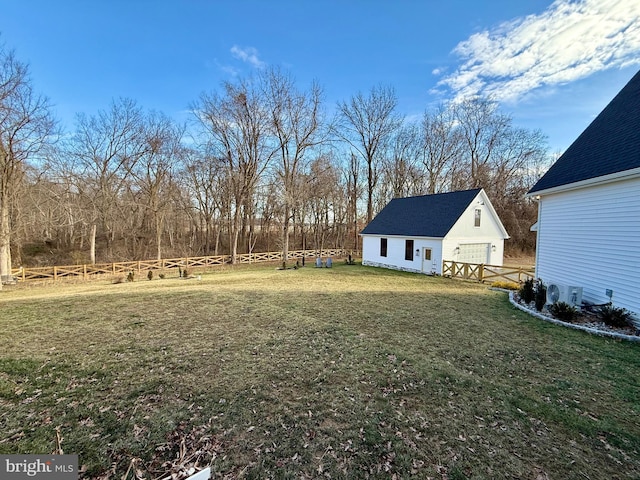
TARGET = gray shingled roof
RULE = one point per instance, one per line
(610, 144)
(423, 216)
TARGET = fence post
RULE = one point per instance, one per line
(84, 271)
(55, 273)
(481, 273)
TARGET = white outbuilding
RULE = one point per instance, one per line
(417, 234)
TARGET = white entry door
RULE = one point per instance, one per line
(474, 253)
(428, 261)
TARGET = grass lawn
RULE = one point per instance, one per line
(350, 372)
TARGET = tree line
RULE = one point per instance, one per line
(261, 166)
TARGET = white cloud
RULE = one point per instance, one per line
(570, 40)
(229, 70)
(248, 55)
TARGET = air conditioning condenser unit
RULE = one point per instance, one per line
(564, 293)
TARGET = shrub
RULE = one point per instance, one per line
(563, 311)
(150, 275)
(541, 296)
(614, 316)
(185, 273)
(526, 291)
(506, 285)
(130, 277)
(161, 276)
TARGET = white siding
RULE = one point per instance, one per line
(464, 227)
(591, 238)
(395, 253)
(464, 232)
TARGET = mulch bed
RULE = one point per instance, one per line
(585, 318)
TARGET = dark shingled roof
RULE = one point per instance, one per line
(609, 145)
(423, 216)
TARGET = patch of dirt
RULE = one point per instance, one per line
(519, 260)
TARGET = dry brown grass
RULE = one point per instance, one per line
(519, 260)
(345, 372)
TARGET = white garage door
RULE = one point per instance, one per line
(474, 253)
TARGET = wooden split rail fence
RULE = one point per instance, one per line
(143, 266)
(486, 273)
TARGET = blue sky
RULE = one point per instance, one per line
(553, 66)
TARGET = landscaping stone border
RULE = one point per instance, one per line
(594, 331)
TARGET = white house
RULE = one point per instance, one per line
(417, 234)
(588, 229)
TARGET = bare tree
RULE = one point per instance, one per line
(441, 147)
(483, 128)
(322, 184)
(155, 171)
(400, 172)
(519, 153)
(366, 124)
(499, 158)
(352, 180)
(235, 126)
(26, 128)
(47, 211)
(205, 179)
(105, 148)
(271, 212)
(295, 120)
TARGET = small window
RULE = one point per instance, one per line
(427, 254)
(408, 250)
(478, 214)
(383, 247)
